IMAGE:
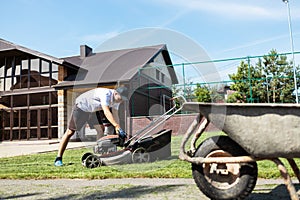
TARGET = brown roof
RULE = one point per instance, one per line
(8, 48)
(99, 68)
(114, 66)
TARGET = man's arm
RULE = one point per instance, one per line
(110, 117)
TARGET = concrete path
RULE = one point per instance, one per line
(17, 148)
(121, 189)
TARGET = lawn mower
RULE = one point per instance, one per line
(147, 145)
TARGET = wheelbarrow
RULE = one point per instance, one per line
(224, 167)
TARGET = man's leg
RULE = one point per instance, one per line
(107, 126)
(64, 142)
(95, 123)
(100, 132)
(62, 147)
(78, 119)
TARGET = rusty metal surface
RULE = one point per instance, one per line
(287, 179)
(263, 130)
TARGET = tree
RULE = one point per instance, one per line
(202, 93)
(277, 82)
(246, 82)
(176, 90)
(233, 98)
(188, 91)
(214, 93)
(271, 80)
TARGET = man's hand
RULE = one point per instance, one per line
(122, 134)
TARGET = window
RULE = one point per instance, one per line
(8, 71)
(35, 65)
(34, 73)
(53, 98)
(7, 83)
(33, 112)
(6, 101)
(39, 99)
(157, 74)
(45, 67)
(15, 83)
(2, 71)
(54, 71)
(24, 64)
(18, 70)
(1, 84)
(2, 78)
(54, 67)
(162, 77)
(55, 76)
(25, 72)
(20, 100)
(23, 119)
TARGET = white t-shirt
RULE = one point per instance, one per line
(92, 101)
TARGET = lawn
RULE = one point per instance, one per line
(40, 166)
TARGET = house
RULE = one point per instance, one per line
(37, 90)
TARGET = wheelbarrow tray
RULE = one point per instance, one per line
(263, 130)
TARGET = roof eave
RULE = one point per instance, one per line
(12, 46)
(74, 84)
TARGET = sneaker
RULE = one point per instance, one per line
(58, 163)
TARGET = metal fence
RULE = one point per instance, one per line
(215, 74)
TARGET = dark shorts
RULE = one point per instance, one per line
(79, 118)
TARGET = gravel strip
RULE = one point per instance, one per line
(158, 189)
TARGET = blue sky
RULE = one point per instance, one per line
(224, 29)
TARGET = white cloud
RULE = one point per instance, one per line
(281, 46)
(239, 10)
(255, 43)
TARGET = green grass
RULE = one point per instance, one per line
(40, 166)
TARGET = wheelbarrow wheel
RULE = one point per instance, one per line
(224, 181)
(92, 161)
(140, 155)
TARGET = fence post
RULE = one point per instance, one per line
(249, 77)
(183, 75)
